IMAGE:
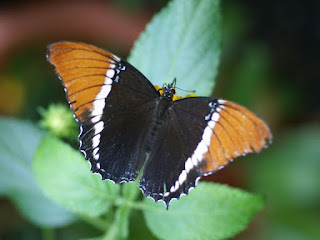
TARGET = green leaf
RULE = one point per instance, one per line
(211, 211)
(130, 190)
(65, 176)
(18, 142)
(183, 42)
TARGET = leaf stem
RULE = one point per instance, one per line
(111, 233)
(48, 233)
(96, 222)
(137, 205)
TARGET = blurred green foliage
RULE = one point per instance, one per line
(30, 72)
(18, 142)
(288, 173)
(58, 120)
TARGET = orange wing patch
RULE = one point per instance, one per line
(236, 131)
(82, 69)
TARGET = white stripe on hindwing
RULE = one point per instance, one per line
(202, 147)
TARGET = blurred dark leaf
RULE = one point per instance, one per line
(18, 142)
(251, 75)
(29, 68)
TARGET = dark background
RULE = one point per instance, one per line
(270, 63)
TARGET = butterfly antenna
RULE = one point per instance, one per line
(174, 85)
(174, 82)
(192, 91)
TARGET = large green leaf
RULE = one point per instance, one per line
(18, 142)
(183, 42)
(211, 211)
(65, 176)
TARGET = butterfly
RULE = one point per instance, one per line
(128, 125)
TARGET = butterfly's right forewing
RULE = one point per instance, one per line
(112, 101)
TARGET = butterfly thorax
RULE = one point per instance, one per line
(165, 101)
(159, 115)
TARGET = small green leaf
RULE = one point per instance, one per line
(183, 42)
(18, 142)
(65, 176)
(211, 211)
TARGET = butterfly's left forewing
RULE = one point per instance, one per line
(111, 100)
(199, 137)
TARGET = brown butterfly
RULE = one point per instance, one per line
(127, 124)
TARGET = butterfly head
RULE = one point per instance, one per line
(168, 91)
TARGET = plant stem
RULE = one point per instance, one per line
(48, 233)
(96, 222)
(111, 233)
(137, 205)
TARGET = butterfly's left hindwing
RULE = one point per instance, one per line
(200, 136)
(111, 100)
